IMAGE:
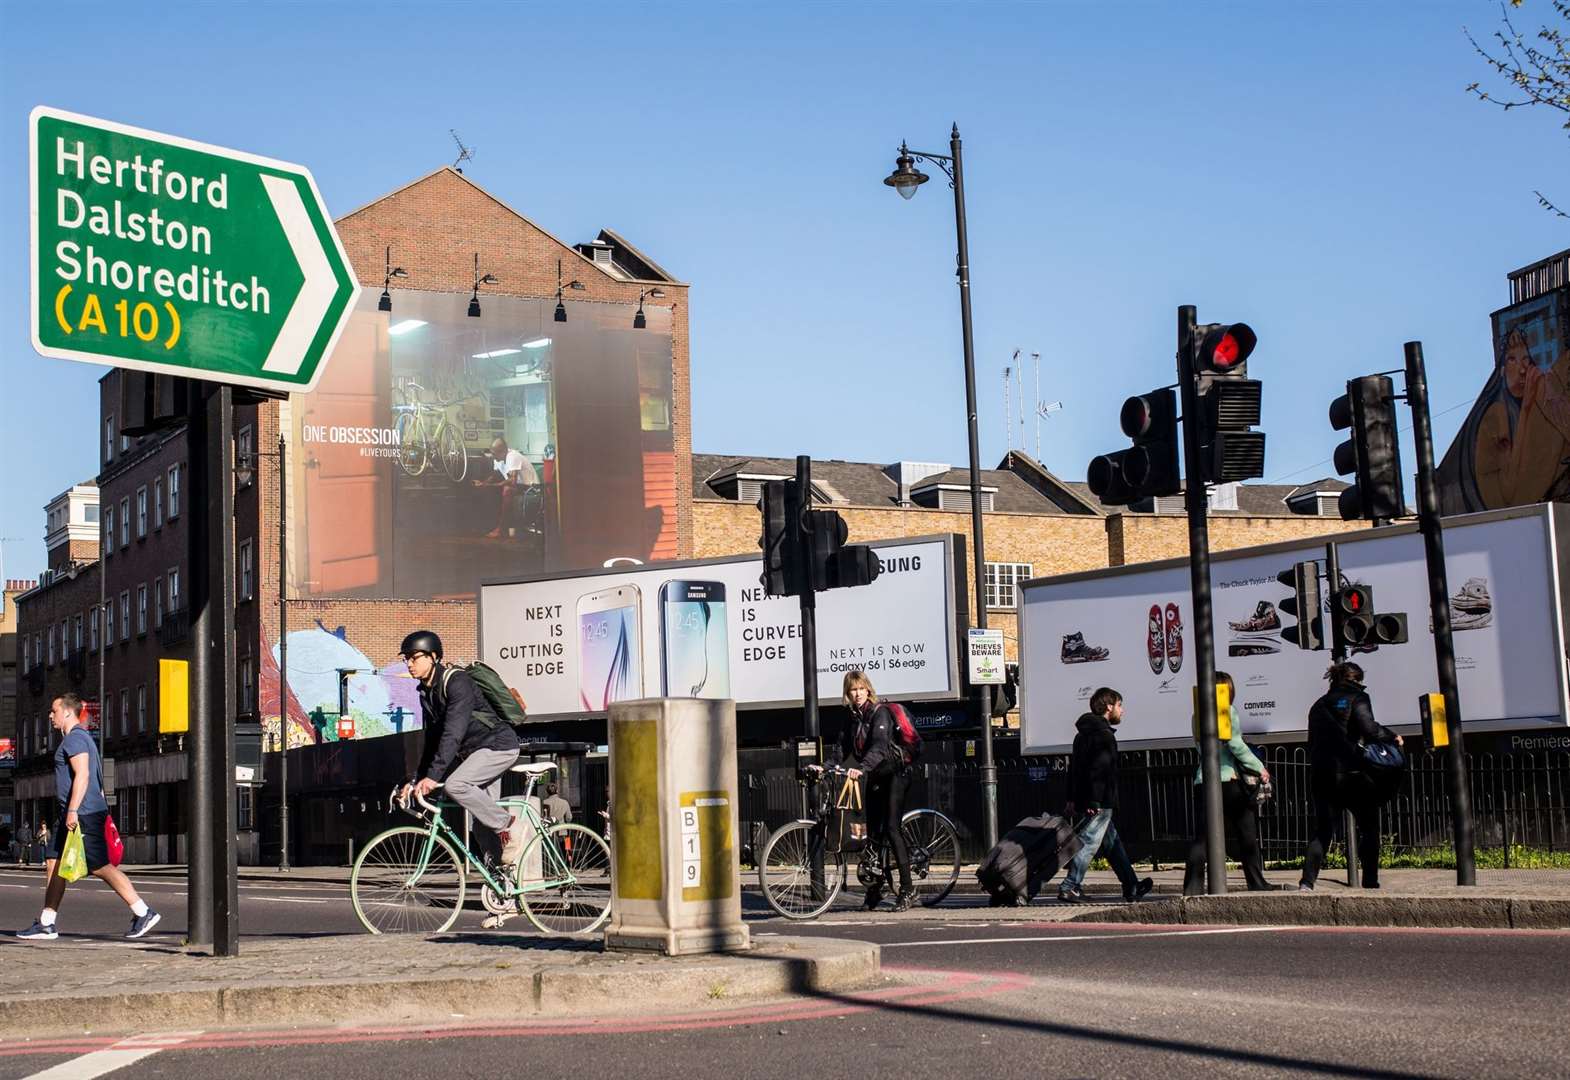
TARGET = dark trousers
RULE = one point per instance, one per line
(1355, 793)
(1240, 811)
(885, 807)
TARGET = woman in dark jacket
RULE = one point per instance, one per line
(1339, 723)
(870, 740)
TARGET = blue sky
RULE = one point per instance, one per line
(1314, 169)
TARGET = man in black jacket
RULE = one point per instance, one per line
(1093, 789)
(1339, 723)
(467, 746)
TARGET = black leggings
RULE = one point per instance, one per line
(1355, 793)
(885, 807)
(1240, 811)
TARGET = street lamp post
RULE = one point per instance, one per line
(246, 471)
(905, 179)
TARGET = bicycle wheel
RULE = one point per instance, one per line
(934, 854)
(399, 888)
(785, 872)
(578, 863)
(413, 454)
(453, 454)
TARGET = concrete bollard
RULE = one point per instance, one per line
(675, 875)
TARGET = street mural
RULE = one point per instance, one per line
(1514, 448)
(335, 692)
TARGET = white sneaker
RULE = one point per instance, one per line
(512, 841)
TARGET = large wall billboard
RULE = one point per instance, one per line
(440, 449)
(1116, 629)
(572, 645)
(1514, 448)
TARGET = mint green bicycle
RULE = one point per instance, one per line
(412, 880)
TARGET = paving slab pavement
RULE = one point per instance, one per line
(86, 984)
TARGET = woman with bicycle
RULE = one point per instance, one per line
(869, 740)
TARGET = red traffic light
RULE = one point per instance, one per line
(1225, 347)
(1356, 599)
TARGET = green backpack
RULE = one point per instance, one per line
(505, 704)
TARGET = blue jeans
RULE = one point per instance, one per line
(1097, 833)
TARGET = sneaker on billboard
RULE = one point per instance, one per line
(1156, 640)
(1075, 651)
(1473, 596)
(1254, 646)
(1174, 639)
(1264, 618)
(1467, 620)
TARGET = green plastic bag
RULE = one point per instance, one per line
(73, 857)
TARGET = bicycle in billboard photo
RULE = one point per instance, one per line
(426, 433)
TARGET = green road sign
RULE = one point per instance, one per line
(155, 252)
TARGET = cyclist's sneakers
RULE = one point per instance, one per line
(1075, 651)
(1263, 619)
(38, 932)
(512, 838)
(1174, 639)
(1156, 639)
(140, 924)
(905, 900)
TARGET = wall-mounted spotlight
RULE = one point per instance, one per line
(488, 279)
(561, 309)
(385, 303)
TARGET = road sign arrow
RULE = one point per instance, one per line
(316, 294)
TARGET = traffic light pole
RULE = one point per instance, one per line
(1338, 654)
(809, 658)
(1204, 630)
(1439, 606)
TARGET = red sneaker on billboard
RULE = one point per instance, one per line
(1156, 640)
(1174, 639)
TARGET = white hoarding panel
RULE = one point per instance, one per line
(1133, 631)
(571, 645)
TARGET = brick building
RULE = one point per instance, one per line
(10, 658)
(57, 630)
(1035, 523)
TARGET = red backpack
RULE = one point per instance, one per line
(905, 732)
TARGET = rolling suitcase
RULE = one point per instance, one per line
(1026, 859)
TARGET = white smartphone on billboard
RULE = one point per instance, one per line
(610, 665)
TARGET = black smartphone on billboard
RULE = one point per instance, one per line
(694, 645)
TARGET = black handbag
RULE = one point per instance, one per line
(1380, 757)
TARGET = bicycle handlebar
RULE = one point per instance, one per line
(403, 804)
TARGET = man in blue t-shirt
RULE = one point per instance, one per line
(81, 806)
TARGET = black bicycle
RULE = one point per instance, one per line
(785, 864)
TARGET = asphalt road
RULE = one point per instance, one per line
(968, 999)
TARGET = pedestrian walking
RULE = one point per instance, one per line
(1093, 792)
(467, 745)
(556, 808)
(81, 808)
(24, 844)
(1339, 724)
(41, 842)
(871, 740)
(1239, 806)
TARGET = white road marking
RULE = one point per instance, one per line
(1085, 937)
(125, 1052)
(287, 900)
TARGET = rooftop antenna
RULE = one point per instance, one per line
(1008, 405)
(1036, 358)
(1044, 409)
(465, 153)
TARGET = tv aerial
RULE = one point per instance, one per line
(465, 153)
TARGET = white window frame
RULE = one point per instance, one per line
(109, 530)
(245, 452)
(158, 602)
(141, 708)
(158, 502)
(174, 589)
(125, 522)
(1002, 584)
(109, 638)
(27, 654)
(76, 633)
(51, 645)
(125, 615)
(247, 702)
(141, 610)
(246, 587)
(125, 713)
(141, 512)
(174, 492)
(93, 618)
(108, 438)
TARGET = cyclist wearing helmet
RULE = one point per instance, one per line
(467, 746)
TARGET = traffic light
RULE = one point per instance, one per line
(1303, 604)
(781, 540)
(1149, 468)
(854, 565)
(1369, 408)
(1355, 624)
(1229, 404)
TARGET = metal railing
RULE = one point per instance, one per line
(1518, 800)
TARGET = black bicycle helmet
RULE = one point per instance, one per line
(421, 641)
